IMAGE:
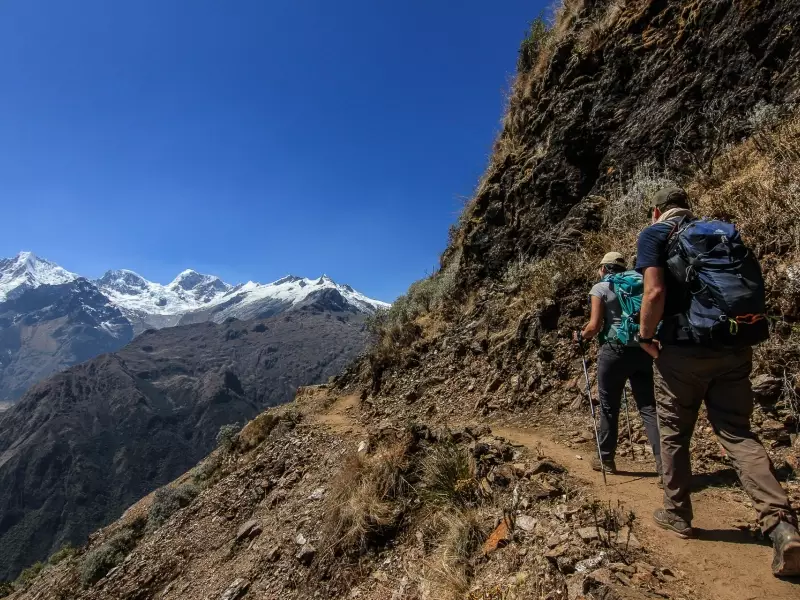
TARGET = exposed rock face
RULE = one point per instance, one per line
(666, 81)
(82, 446)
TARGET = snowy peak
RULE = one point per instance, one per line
(189, 292)
(27, 271)
(123, 281)
(203, 288)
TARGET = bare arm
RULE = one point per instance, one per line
(595, 324)
(652, 306)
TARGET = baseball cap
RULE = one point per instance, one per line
(613, 258)
(670, 195)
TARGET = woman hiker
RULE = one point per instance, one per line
(617, 364)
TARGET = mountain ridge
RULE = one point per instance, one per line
(52, 318)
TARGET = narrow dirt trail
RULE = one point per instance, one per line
(727, 564)
(337, 416)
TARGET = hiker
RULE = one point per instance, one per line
(691, 268)
(619, 361)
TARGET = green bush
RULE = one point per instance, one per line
(28, 575)
(535, 38)
(205, 471)
(5, 589)
(168, 501)
(98, 562)
(226, 437)
(62, 553)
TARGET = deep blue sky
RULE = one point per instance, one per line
(248, 138)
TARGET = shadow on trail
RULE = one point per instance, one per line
(729, 536)
(721, 478)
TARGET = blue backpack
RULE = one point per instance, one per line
(629, 288)
(722, 283)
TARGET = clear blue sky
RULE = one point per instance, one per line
(248, 138)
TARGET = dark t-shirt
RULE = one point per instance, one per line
(651, 251)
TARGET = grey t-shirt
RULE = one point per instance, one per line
(612, 315)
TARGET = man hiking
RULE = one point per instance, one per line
(620, 360)
(698, 276)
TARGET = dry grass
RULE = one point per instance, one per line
(756, 185)
(366, 500)
(256, 431)
(448, 475)
(449, 572)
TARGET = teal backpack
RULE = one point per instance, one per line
(629, 288)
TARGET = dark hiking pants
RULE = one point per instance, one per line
(722, 378)
(615, 366)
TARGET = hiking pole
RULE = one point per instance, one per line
(591, 407)
(628, 421)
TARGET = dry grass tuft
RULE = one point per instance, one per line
(363, 504)
(448, 475)
(449, 571)
(256, 431)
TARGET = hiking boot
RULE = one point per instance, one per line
(786, 541)
(671, 522)
(608, 464)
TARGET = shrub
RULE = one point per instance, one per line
(450, 569)
(447, 474)
(205, 471)
(168, 501)
(627, 206)
(361, 505)
(226, 437)
(28, 575)
(532, 44)
(5, 589)
(257, 430)
(61, 554)
(98, 562)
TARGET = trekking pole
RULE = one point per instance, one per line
(591, 407)
(628, 421)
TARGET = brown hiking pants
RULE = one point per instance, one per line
(690, 375)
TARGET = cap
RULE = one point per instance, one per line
(670, 195)
(613, 258)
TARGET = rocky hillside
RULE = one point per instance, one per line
(80, 447)
(51, 319)
(378, 498)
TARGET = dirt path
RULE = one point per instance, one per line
(338, 416)
(727, 564)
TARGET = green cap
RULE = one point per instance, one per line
(670, 196)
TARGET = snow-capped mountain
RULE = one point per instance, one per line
(193, 297)
(51, 318)
(27, 271)
(188, 291)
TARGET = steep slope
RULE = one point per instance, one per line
(80, 447)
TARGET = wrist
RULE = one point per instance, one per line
(646, 340)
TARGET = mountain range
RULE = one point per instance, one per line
(51, 318)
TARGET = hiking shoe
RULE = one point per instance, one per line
(609, 465)
(786, 541)
(670, 522)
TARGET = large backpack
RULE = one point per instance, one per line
(629, 288)
(722, 283)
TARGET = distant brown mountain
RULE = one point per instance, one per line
(83, 445)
